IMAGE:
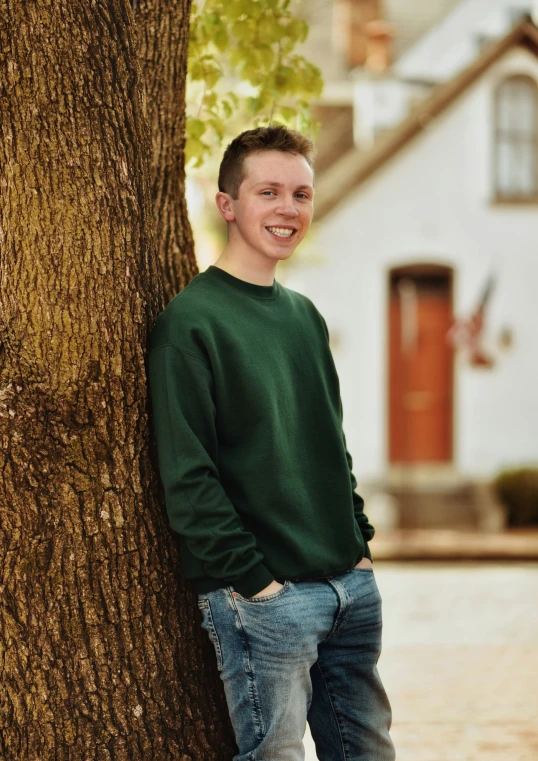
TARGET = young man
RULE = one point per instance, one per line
(258, 479)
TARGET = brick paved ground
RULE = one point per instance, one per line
(460, 660)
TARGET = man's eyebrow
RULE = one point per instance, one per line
(281, 185)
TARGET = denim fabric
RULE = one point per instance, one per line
(305, 653)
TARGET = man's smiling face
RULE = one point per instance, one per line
(274, 207)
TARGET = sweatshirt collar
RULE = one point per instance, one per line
(263, 292)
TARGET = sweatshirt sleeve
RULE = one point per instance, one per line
(184, 418)
(366, 528)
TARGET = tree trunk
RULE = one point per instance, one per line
(101, 652)
(163, 41)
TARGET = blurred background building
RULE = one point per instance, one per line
(426, 230)
(423, 255)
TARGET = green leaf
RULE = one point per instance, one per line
(195, 128)
(227, 108)
(212, 77)
(221, 38)
(210, 100)
(288, 113)
(294, 30)
(196, 70)
(195, 149)
(242, 29)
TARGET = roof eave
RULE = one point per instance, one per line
(355, 166)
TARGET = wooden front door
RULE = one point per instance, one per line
(420, 365)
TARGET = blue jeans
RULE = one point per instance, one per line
(305, 653)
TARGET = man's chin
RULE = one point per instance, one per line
(284, 255)
(284, 252)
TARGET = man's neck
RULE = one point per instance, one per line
(251, 272)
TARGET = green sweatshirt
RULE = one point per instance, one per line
(248, 421)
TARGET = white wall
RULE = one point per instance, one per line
(431, 202)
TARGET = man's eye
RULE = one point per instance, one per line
(302, 196)
(267, 192)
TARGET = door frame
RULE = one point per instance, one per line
(415, 271)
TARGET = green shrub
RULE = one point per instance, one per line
(517, 489)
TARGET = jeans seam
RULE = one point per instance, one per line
(215, 636)
(341, 616)
(251, 676)
(344, 754)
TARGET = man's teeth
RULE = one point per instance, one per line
(282, 232)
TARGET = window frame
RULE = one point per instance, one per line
(500, 133)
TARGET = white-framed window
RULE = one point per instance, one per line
(516, 139)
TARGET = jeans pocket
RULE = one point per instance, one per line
(265, 598)
(208, 625)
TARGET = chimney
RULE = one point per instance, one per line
(379, 35)
(362, 35)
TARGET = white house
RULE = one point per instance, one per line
(441, 215)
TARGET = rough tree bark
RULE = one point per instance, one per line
(163, 40)
(101, 654)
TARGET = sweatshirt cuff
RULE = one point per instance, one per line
(254, 581)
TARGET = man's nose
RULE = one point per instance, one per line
(287, 208)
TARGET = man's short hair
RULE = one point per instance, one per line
(275, 137)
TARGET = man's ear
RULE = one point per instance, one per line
(224, 205)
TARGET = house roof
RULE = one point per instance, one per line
(355, 166)
(451, 45)
(413, 19)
